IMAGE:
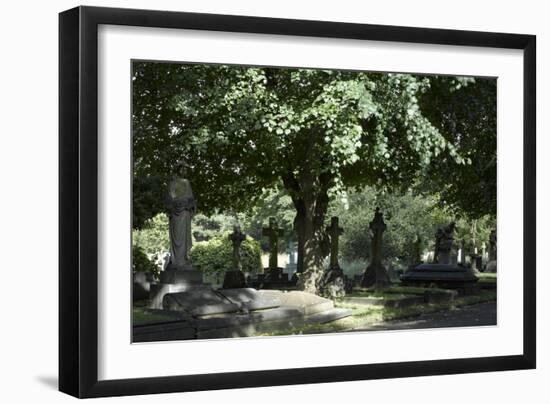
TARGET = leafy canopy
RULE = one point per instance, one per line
(241, 130)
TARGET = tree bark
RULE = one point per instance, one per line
(310, 198)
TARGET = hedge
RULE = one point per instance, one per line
(215, 256)
(141, 263)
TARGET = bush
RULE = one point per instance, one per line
(215, 256)
(140, 262)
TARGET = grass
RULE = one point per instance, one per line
(487, 275)
(394, 292)
(364, 315)
(142, 315)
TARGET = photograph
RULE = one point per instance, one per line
(272, 201)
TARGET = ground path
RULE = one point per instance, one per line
(466, 316)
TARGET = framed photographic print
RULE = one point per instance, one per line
(250, 201)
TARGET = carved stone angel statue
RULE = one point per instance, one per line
(181, 206)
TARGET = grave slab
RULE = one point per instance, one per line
(199, 301)
(307, 303)
(249, 299)
(328, 316)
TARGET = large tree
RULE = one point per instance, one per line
(465, 110)
(244, 130)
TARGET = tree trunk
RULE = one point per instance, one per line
(311, 208)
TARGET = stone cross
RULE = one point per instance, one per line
(335, 231)
(376, 275)
(377, 227)
(273, 232)
(237, 237)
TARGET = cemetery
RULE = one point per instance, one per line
(273, 202)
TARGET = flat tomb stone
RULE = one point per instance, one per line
(445, 273)
(491, 266)
(265, 321)
(307, 303)
(160, 290)
(249, 299)
(199, 302)
(328, 316)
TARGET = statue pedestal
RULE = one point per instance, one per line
(174, 281)
(190, 277)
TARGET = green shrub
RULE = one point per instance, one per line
(141, 263)
(215, 256)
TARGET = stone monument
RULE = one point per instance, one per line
(333, 284)
(179, 274)
(444, 244)
(462, 253)
(416, 254)
(234, 278)
(443, 271)
(492, 264)
(274, 273)
(291, 266)
(376, 275)
(180, 207)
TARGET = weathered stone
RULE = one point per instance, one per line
(416, 254)
(249, 299)
(442, 275)
(328, 316)
(297, 309)
(306, 303)
(188, 277)
(199, 302)
(376, 275)
(443, 272)
(141, 285)
(332, 284)
(475, 262)
(273, 233)
(492, 264)
(270, 320)
(234, 278)
(180, 206)
(444, 245)
(462, 252)
(179, 274)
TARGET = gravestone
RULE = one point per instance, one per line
(291, 265)
(376, 275)
(234, 278)
(443, 272)
(462, 253)
(492, 264)
(274, 273)
(333, 284)
(416, 254)
(142, 282)
(475, 262)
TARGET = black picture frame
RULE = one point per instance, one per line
(78, 201)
